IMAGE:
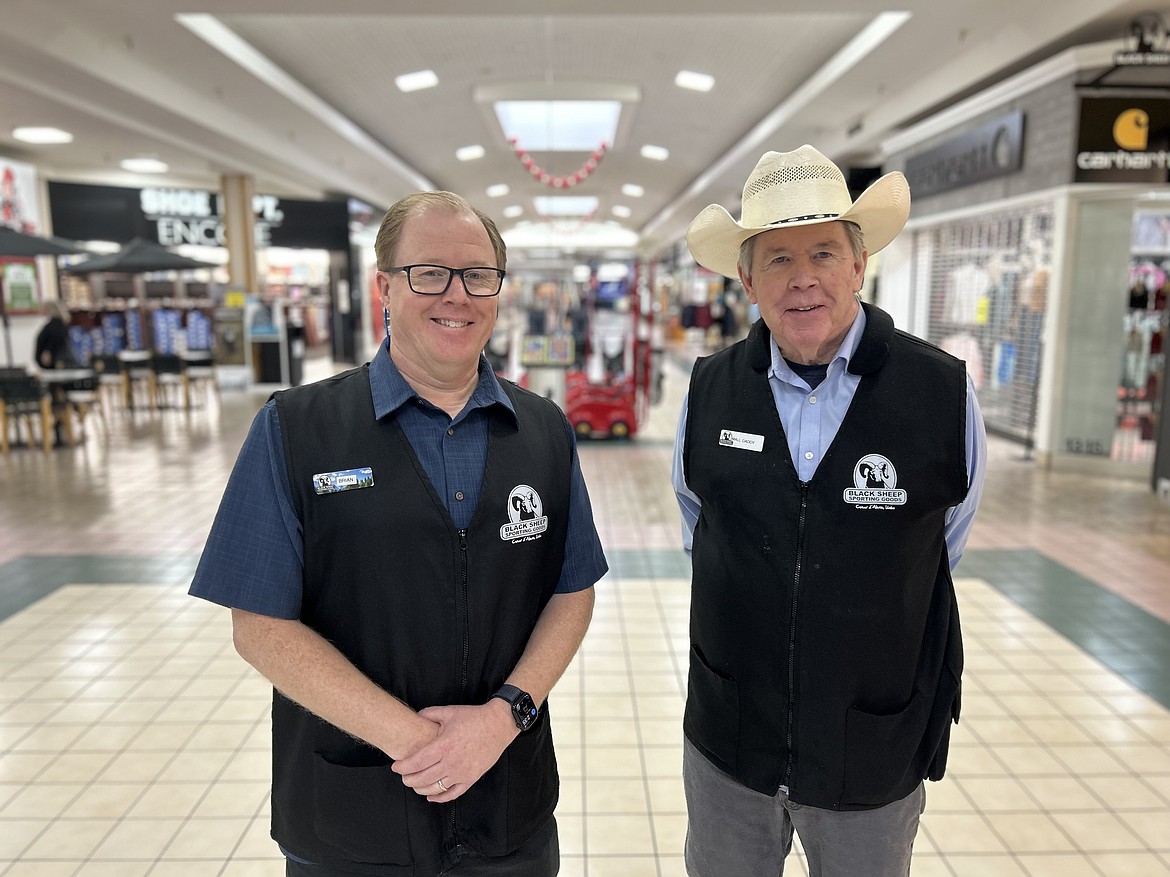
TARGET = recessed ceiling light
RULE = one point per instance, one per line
(656, 153)
(633, 190)
(499, 190)
(513, 211)
(620, 210)
(416, 81)
(554, 205)
(694, 81)
(559, 125)
(144, 165)
(42, 136)
(469, 153)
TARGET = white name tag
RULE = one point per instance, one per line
(745, 441)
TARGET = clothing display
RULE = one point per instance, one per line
(967, 289)
(1143, 362)
(989, 285)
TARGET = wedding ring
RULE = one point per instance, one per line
(439, 783)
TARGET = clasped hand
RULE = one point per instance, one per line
(469, 741)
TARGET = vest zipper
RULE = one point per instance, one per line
(454, 816)
(792, 633)
(466, 614)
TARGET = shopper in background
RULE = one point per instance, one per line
(828, 468)
(53, 349)
(412, 603)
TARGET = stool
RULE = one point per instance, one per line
(23, 399)
(166, 371)
(198, 372)
(137, 376)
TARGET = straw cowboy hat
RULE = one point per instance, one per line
(797, 188)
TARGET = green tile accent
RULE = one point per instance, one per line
(1122, 636)
(1125, 638)
(660, 563)
(27, 579)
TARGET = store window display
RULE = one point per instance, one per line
(1143, 364)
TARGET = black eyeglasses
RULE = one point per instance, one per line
(435, 279)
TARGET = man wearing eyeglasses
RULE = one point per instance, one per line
(409, 554)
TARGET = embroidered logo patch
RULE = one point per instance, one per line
(347, 479)
(875, 484)
(526, 519)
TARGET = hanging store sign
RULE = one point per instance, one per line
(991, 150)
(1146, 43)
(173, 216)
(1123, 140)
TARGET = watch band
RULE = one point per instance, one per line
(510, 693)
(524, 711)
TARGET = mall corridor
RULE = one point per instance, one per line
(134, 741)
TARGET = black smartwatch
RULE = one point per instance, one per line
(524, 711)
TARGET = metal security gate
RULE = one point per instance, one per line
(987, 282)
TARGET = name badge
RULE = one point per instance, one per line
(347, 479)
(745, 441)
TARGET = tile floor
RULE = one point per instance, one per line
(133, 741)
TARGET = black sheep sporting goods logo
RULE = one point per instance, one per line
(526, 518)
(875, 484)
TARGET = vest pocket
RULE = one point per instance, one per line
(361, 812)
(882, 753)
(533, 781)
(712, 710)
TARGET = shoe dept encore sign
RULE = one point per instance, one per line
(173, 216)
(192, 216)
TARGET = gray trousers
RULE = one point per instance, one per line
(732, 829)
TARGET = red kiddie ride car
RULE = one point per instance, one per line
(600, 410)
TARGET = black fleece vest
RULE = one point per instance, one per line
(431, 614)
(826, 652)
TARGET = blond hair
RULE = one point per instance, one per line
(390, 231)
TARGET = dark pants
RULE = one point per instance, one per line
(540, 857)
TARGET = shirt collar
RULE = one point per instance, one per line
(390, 390)
(782, 370)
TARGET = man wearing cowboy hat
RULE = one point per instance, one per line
(825, 648)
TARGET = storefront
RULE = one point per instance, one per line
(1039, 252)
(303, 255)
(21, 280)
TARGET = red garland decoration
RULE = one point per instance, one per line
(555, 182)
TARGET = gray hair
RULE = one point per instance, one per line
(852, 231)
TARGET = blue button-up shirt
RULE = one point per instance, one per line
(253, 559)
(811, 418)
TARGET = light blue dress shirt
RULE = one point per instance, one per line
(811, 418)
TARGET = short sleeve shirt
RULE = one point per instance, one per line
(253, 559)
